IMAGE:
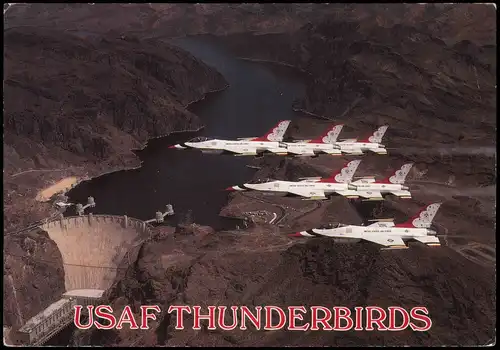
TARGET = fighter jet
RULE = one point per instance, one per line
(387, 234)
(270, 142)
(63, 204)
(322, 144)
(372, 143)
(311, 188)
(372, 190)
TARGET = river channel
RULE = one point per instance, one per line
(258, 97)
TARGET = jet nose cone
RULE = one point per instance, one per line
(405, 188)
(296, 234)
(178, 146)
(235, 188)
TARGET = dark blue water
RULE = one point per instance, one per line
(258, 97)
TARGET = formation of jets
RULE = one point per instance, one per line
(339, 183)
(272, 143)
(383, 232)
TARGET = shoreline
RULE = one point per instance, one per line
(309, 113)
(181, 131)
(133, 150)
(273, 62)
(85, 177)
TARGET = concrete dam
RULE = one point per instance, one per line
(93, 247)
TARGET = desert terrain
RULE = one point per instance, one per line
(427, 71)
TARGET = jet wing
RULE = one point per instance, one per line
(378, 151)
(373, 195)
(279, 151)
(313, 194)
(402, 194)
(241, 151)
(349, 193)
(387, 241)
(352, 151)
(300, 153)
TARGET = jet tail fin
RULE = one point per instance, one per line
(345, 174)
(424, 218)
(377, 136)
(399, 176)
(276, 133)
(330, 135)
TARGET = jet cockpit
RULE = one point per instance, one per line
(330, 226)
(259, 181)
(200, 139)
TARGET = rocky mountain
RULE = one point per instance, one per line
(31, 288)
(435, 94)
(426, 89)
(455, 21)
(262, 267)
(429, 71)
(73, 102)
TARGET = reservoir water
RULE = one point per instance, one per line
(258, 97)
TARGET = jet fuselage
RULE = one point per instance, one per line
(386, 234)
(289, 186)
(376, 186)
(242, 147)
(307, 148)
(360, 147)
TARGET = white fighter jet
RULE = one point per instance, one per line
(321, 145)
(311, 188)
(371, 189)
(63, 204)
(387, 234)
(371, 144)
(270, 142)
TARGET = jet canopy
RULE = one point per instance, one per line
(200, 139)
(330, 226)
(259, 181)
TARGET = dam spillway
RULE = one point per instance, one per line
(93, 246)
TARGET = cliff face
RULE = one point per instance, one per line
(425, 89)
(168, 20)
(80, 96)
(455, 21)
(82, 105)
(33, 276)
(228, 269)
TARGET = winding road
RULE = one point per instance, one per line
(283, 209)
